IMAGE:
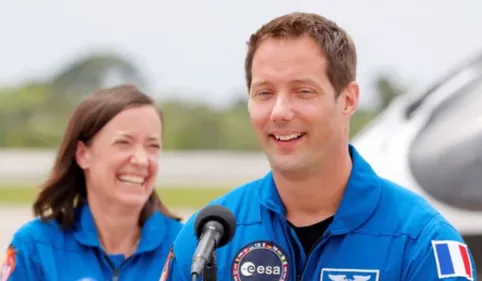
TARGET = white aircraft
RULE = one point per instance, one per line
(430, 141)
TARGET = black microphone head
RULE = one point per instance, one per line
(220, 214)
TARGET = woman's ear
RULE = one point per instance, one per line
(82, 155)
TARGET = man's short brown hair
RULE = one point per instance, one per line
(334, 42)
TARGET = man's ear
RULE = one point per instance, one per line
(350, 96)
(82, 155)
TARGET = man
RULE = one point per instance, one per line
(321, 213)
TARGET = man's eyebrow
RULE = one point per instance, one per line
(259, 83)
(306, 80)
(303, 81)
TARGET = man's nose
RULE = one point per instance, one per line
(282, 110)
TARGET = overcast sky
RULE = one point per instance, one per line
(198, 47)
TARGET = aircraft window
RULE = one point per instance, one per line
(446, 156)
(474, 64)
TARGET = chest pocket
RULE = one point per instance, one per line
(64, 264)
(360, 258)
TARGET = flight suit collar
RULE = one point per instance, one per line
(361, 196)
(152, 233)
(359, 201)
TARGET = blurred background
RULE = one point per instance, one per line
(189, 55)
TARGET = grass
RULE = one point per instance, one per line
(178, 197)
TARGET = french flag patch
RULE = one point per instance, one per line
(452, 258)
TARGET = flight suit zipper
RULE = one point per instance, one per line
(325, 235)
(289, 234)
(298, 276)
(115, 270)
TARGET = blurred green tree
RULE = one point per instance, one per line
(94, 71)
(35, 114)
(387, 90)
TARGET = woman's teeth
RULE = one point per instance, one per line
(132, 179)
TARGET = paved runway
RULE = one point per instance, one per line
(210, 168)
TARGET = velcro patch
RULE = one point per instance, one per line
(339, 274)
(167, 266)
(8, 264)
(260, 260)
(452, 259)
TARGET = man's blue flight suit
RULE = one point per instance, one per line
(381, 231)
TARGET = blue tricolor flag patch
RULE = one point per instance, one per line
(452, 259)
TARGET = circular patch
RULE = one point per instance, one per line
(260, 261)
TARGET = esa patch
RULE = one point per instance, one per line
(167, 265)
(8, 264)
(337, 274)
(452, 259)
(260, 261)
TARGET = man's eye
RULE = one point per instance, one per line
(305, 91)
(264, 93)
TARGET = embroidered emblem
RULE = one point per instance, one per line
(452, 259)
(8, 264)
(167, 266)
(261, 260)
(337, 274)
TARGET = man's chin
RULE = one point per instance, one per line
(286, 163)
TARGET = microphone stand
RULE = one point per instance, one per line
(211, 270)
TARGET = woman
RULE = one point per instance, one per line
(98, 215)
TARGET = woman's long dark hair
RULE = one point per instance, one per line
(65, 188)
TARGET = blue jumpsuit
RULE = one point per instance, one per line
(380, 232)
(44, 252)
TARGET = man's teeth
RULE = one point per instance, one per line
(288, 137)
(132, 179)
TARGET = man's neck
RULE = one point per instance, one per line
(117, 227)
(316, 195)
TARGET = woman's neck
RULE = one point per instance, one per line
(118, 230)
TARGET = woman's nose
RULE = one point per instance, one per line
(140, 157)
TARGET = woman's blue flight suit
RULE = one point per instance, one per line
(43, 251)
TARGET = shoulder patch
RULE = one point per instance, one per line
(452, 259)
(167, 265)
(8, 264)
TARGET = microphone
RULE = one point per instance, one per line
(214, 227)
